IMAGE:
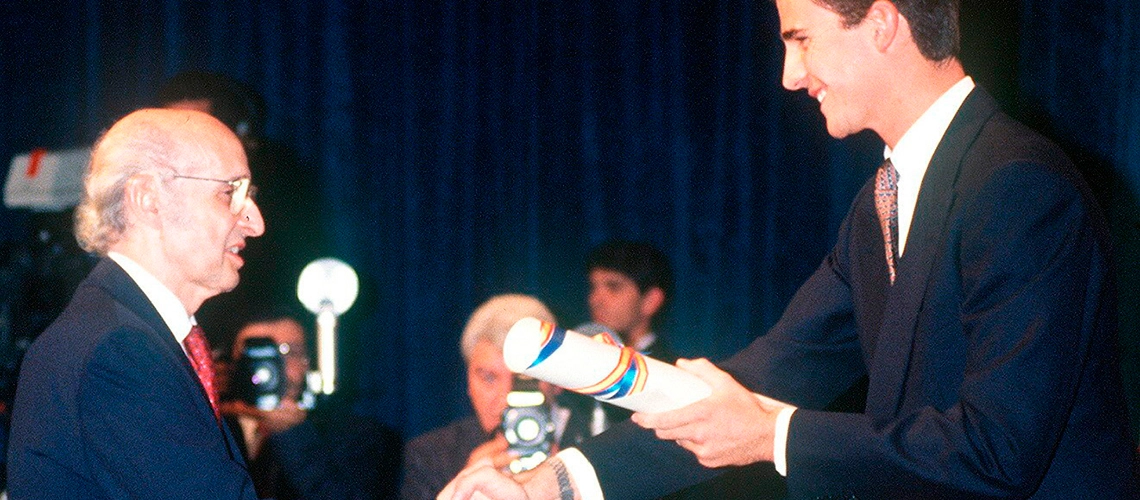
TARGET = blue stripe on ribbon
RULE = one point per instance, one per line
(552, 344)
(625, 384)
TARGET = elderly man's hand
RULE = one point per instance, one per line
(730, 427)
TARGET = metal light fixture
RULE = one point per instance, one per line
(327, 287)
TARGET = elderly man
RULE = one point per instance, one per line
(116, 397)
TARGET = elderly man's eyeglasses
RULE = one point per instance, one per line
(242, 190)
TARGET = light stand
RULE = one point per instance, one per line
(327, 287)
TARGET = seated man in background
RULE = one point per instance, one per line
(432, 459)
(297, 453)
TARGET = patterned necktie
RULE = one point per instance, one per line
(199, 352)
(887, 205)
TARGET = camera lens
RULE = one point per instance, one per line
(528, 429)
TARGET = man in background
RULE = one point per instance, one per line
(631, 284)
(297, 451)
(432, 459)
(116, 398)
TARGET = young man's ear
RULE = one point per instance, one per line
(651, 301)
(884, 17)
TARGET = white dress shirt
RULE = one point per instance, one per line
(911, 156)
(171, 310)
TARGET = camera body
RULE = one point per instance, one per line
(259, 375)
(527, 424)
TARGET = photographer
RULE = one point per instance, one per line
(432, 459)
(299, 453)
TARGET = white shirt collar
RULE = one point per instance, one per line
(911, 156)
(171, 310)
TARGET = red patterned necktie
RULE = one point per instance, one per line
(199, 351)
(887, 205)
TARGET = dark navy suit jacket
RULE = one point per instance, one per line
(108, 406)
(991, 362)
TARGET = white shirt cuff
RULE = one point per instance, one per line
(581, 473)
(780, 440)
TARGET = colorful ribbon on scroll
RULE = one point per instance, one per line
(627, 377)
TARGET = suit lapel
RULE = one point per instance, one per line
(119, 284)
(925, 241)
(113, 279)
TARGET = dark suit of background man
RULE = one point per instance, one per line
(991, 358)
(108, 404)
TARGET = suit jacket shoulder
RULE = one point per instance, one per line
(107, 406)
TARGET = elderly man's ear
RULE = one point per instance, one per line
(141, 197)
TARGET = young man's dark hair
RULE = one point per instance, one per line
(933, 23)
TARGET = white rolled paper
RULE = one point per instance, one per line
(605, 371)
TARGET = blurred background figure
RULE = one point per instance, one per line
(295, 450)
(631, 284)
(432, 459)
(288, 194)
(630, 287)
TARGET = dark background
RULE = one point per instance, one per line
(468, 148)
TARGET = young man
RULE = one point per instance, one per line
(116, 398)
(630, 286)
(970, 283)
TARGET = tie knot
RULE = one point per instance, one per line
(887, 178)
(197, 344)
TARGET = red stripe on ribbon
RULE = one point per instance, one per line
(34, 159)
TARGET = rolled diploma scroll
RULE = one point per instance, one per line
(609, 373)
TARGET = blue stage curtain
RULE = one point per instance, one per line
(1080, 82)
(469, 148)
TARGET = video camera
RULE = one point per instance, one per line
(527, 424)
(259, 376)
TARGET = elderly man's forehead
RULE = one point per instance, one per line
(190, 141)
(168, 119)
(180, 126)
